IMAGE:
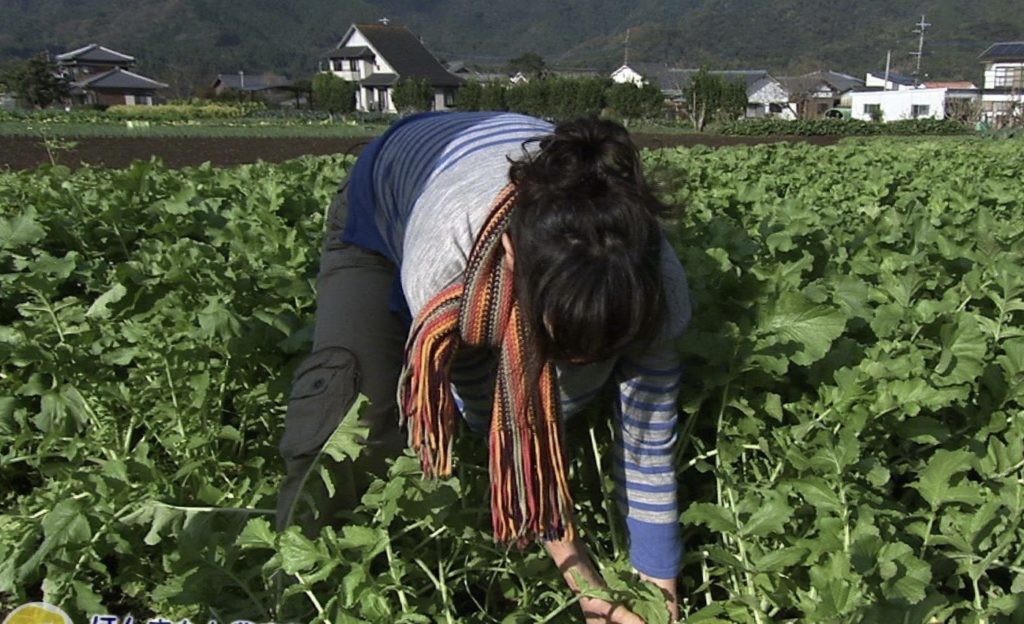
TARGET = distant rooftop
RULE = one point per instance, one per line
(1007, 50)
(95, 53)
(895, 78)
(119, 78)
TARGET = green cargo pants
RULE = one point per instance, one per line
(357, 348)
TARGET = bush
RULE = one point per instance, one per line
(334, 95)
(842, 127)
(412, 95)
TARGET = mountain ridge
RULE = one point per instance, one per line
(190, 41)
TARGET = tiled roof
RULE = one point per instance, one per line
(835, 81)
(94, 53)
(1007, 50)
(118, 78)
(407, 55)
(950, 84)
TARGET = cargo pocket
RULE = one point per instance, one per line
(326, 386)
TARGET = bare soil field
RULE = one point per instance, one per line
(18, 153)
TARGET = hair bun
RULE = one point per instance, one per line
(588, 155)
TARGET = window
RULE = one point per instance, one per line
(1009, 77)
(990, 106)
(337, 65)
(774, 108)
(872, 109)
(353, 65)
(920, 110)
(449, 98)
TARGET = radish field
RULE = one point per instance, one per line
(852, 431)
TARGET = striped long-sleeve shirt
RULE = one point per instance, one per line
(419, 195)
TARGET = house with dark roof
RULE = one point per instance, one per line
(1002, 98)
(471, 74)
(99, 75)
(814, 94)
(377, 56)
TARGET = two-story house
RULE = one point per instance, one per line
(1003, 95)
(377, 56)
(99, 75)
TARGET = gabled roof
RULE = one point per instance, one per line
(95, 53)
(351, 52)
(118, 78)
(407, 55)
(835, 81)
(1007, 50)
(245, 82)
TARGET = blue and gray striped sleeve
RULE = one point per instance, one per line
(645, 468)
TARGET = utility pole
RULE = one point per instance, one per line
(921, 27)
(625, 53)
(888, 62)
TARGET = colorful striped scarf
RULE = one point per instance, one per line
(529, 481)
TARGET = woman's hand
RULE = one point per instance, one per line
(597, 611)
(668, 588)
(574, 563)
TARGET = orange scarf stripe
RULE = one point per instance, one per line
(530, 496)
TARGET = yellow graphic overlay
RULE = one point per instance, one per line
(37, 613)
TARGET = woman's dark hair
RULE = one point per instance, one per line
(587, 243)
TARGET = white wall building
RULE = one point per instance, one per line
(921, 103)
(768, 98)
(1002, 99)
(626, 74)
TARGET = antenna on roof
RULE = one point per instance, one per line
(921, 27)
(625, 53)
(384, 20)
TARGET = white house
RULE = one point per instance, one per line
(920, 103)
(377, 56)
(625, 74)
(1003, 94)
(766, 97)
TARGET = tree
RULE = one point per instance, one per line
(531, 64)
(631, 102)
(413, 94)
(334, 95)
(468, 96)
(36, 81)
(710, 97)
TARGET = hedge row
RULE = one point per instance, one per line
(842, 127)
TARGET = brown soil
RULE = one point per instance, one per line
(17, 153)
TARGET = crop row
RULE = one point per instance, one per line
(853, 444)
